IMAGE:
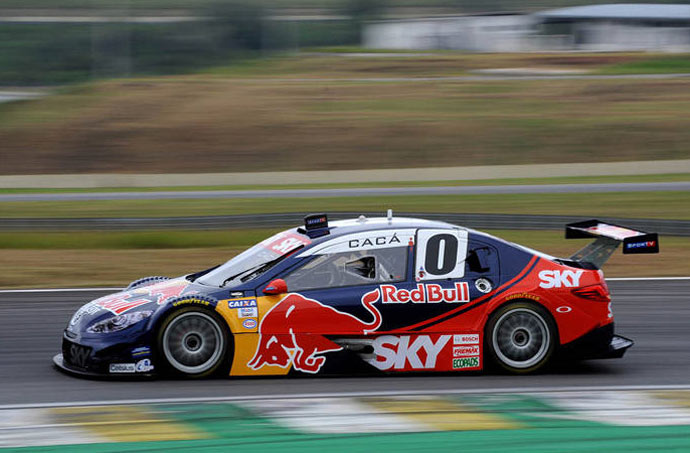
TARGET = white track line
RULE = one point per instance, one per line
(511, 390)
(67, 290)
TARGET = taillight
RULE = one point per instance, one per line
(597, 293)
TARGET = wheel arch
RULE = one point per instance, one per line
(510, 299)
(206, 305)
(488, 336)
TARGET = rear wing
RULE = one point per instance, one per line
(608, 237)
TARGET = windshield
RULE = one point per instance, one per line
(258, 259)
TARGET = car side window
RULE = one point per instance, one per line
(361, 267)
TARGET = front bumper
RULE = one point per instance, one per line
(88, 358)
(600, 343)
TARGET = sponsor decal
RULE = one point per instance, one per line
(640, 245)
(142, 351)
(143, 366)
(122, 368)
(558, 279)
(319, 221)
(290, 334)
(466, 362)
(425, 293)
(242, 303)
(79, 355)
(465, 351)
(613, 231)
(407, 352)
(247, 312)
(523, 296)
(468, 338)
(158, 294)
(89, 309)
(375, 241)
(191, 301)
(284, 243)
(564, 309)
(249, 323)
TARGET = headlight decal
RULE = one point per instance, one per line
(119, 322)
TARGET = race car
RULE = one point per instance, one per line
(366, 295)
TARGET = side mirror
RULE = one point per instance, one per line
(277, 286)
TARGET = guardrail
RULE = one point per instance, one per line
(479, 221)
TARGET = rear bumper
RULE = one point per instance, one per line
(600, 343)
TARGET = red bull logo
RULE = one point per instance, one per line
(158, 293)
(292, 332)
(426, 293)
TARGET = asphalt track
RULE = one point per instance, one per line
(354, 192)
(655, 313)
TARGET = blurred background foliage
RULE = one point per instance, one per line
(120, 43)
(128, 38)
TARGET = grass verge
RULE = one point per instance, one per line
(664, 205)
(251, 118)
(664, 64)
(671, 177)
(85, 267)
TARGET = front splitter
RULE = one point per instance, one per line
(59, 363)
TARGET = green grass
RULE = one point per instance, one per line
(186, 239)
(656, 65)
(114, 240)
(664, 205)
(116, 258)
(679, 177)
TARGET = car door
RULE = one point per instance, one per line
(343, 278)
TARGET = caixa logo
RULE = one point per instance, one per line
(558, 279)
(425, 293)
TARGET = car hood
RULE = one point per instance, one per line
(150, 297)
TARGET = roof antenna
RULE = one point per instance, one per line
(390, 215)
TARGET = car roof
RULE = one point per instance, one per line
(362, 224)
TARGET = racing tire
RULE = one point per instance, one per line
(194, 342)
(146, 281)
(520, 338)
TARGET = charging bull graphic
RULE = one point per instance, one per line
(292, 332)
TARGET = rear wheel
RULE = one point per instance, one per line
(193, 342)
(521, 337)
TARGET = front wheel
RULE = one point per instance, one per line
(193, 342)
(521, 337)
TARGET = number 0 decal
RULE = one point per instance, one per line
(440, 254)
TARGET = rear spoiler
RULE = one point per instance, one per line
(608, 237)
